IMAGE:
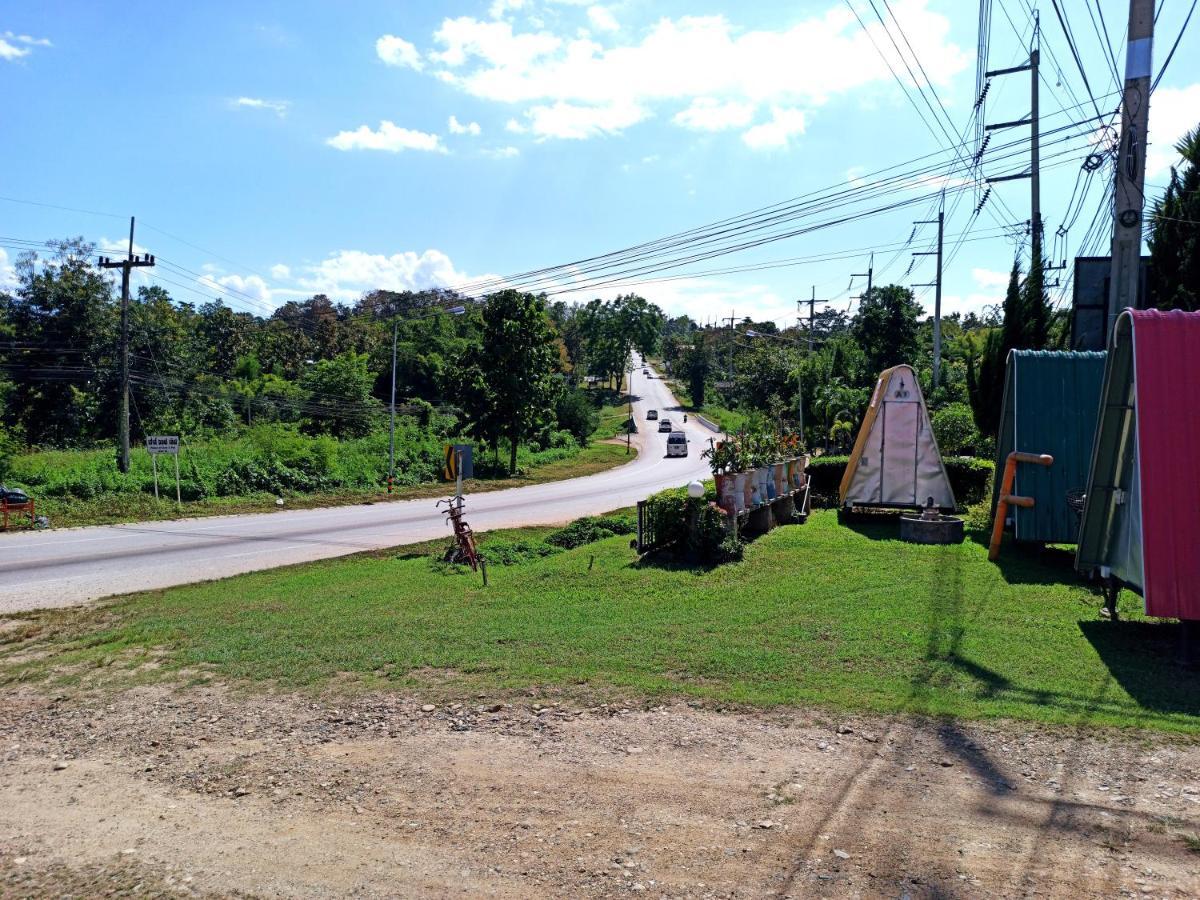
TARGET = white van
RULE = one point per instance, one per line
(677, 444)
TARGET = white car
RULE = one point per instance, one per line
(677, 444)
(665, 425)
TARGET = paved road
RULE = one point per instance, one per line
(70, 566)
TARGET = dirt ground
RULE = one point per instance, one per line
(202, 792)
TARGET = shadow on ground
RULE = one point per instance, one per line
(1145, 660)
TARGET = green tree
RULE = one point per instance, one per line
(577, 414)
(511, 382)
(695, 364)
(1174, 278)
(338, 396)
(885, 327)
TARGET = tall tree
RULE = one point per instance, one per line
(1174, 278)
(886, 327)
(512, 377)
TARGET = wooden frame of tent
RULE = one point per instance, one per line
(895, 463)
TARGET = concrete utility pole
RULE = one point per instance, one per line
(937, 297)
(392, 423)
(729, 370)
(812, 305)
(869, 274)
(1034, 173)
(125, 265)
(1131, 163)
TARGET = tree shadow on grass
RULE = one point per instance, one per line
(876, 526)
(1143, 658)
(1029, 563)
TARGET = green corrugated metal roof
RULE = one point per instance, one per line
(1051, 404)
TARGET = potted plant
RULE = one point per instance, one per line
(723, 459)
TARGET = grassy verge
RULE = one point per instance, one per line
(815, 614)
(108, 509)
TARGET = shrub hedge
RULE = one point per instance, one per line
(668, 514)
(969, 477)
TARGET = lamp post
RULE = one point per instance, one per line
(454, 311)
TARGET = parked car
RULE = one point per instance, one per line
(665, 425)
(677, 444)
(651, 414)
(645, 371)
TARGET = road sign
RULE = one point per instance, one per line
(169, 444)
(723, 385)
(163, 443)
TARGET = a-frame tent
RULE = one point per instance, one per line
(895, 462)
(1141, 519)
(1051, 402)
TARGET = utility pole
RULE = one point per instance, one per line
(812, 305)
(729, 371)
(125, 265)
(392, 424)
(937, 297)
(1035, 154)
(1131, 163)
(869, 274)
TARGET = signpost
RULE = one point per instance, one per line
(164, 443)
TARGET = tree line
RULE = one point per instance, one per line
(505, 369)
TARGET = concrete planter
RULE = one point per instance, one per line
(781, 478)
(741, 490)
(761, 478)
(726, 493)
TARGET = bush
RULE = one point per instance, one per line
(668, 514)
(970, 478)
(577, 415)
(590, 529)
(955, 431)
(513, 553)
(8, 449)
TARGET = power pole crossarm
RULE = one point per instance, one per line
(1131, 162)
(126, 266)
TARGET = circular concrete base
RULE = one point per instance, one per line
(942, 530)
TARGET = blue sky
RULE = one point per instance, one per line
(340, 147)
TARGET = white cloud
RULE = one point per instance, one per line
(500, 8)
(237, 290)
(602, 19)
(494, 43)
(711, 114)
(571, 121)
(8, 274)
(280, 271)
(279, 107)
(515, 127)
(398, 52)
(18, 46)
(989, 278)
(346, 274)
(1173, 113)
(457, 127)
(389, 137)
(785, 123)
(502, 152)
(707, 66)
(120, 246)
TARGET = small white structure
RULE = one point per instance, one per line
(895, 462)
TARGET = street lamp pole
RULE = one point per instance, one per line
(454, 311)
(392, 424)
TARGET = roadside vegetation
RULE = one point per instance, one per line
(816, 614)
(294, 404)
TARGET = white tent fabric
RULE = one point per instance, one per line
(896, 462)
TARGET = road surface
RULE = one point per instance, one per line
(71, 566)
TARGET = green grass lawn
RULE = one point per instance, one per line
(815, 614)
